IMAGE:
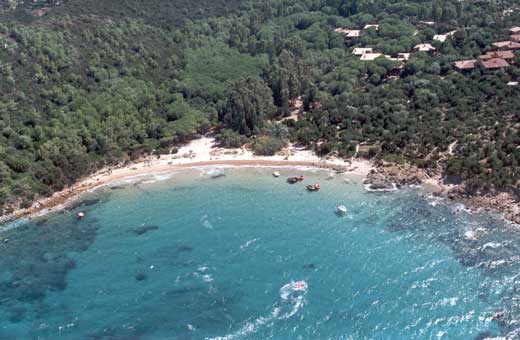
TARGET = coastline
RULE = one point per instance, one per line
(201, 152)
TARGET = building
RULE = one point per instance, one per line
(464, 65)
(362, 50)
(371, 26)
(515, 30)
(349, 34)
(494, 64)
(515, 38)
(506, 55)
(424, 48)
(403, 56)
(507, 45)
(370, 56)
(442, 37)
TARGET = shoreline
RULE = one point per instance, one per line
(197, 153)
(203, 153)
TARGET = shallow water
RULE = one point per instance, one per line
(195, 257)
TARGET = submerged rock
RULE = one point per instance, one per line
(140, 277)
(144, 229)
(83, 203)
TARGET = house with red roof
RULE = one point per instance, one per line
(507, 45)
(465, 65)
(507, 55)
(494, 63)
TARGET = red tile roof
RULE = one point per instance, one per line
(499, 54)
(465, 64)
(494, 63)
(507, 44)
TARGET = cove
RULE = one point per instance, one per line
(198, 257)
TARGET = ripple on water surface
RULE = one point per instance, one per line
(244, 255)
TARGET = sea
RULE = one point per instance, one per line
(236, 253)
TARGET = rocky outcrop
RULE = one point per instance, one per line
(504, 202)
(388, 176)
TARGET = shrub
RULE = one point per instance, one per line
(268, 146)
(230, 139)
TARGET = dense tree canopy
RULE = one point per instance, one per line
(83, 87)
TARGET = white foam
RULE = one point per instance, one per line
(492, 245)
(248, 243)
(292, 293)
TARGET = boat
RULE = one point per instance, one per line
(299, 285)
(313, 187)
(341, 210)
(276, 174)
(293, 180)
(80, 215)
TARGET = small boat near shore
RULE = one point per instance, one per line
(313, 187)
(276, 174)
(292, 180)
(341, 210)
(80, 215)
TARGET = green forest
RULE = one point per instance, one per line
(90, 83)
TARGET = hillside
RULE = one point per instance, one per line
(92, 83)
(154, 12)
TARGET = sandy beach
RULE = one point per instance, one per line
(197, 153)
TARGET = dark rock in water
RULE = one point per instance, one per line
(41, 222)
(30, 292)
(309, 266)
(183, 291)
(376, 181)
(184, 248)
(17, 314)
(84, 203)
(144, 229)
(484, 335)
(36, 260)
(140, 276)
(117, 187)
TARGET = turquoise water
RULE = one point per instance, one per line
(196, 257)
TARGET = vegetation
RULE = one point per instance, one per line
(91, 83)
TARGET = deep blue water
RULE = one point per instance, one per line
(192, 257)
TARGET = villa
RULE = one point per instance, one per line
(371, 26)
(349, 34)
(370, 56)
(506, 55)
(493, 64)
(507, 45)
(362, 50)
(424, 48)
(442, 37)
(464, 65)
